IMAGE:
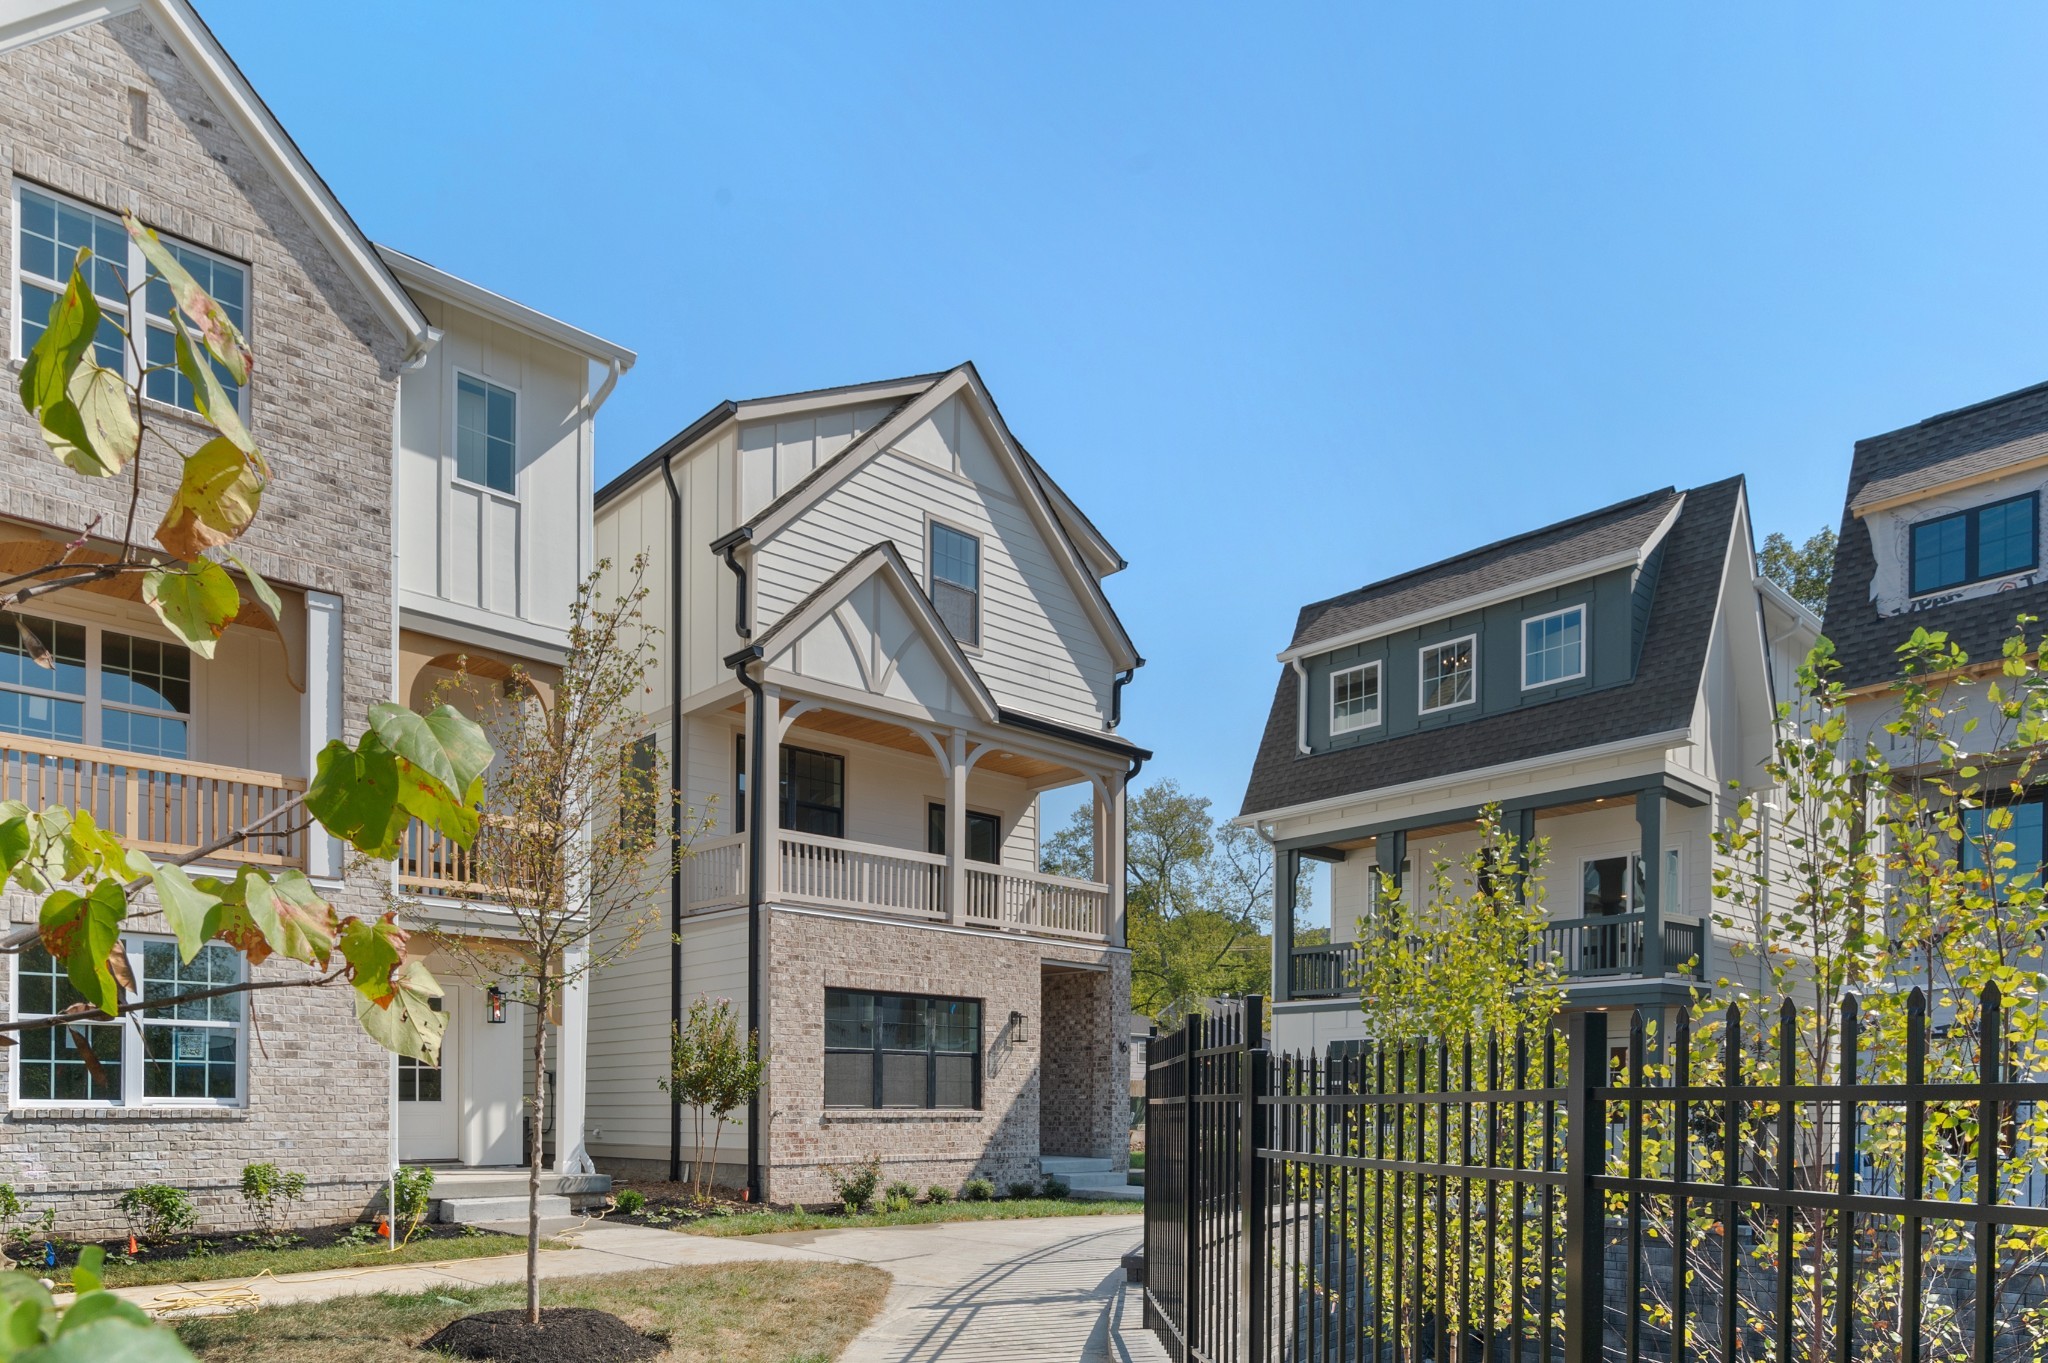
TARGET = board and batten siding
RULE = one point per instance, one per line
(628, 526)
(517, 556)
(1039, 651)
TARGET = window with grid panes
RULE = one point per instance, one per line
(901, 1051)
(956, 581)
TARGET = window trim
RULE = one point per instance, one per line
(877, 1050)
(1422, 674)
(1969, 516)
(1379, 703)
(94, 702)
(932, 579)
(1528, 620)
(135, 268)
(939, 807)
(457, 374)
(132, 1041)
(782, 797)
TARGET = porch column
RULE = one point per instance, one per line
(1391, 849)
(321, 710)
(1650, 822)
(769, 805)
(956, 826)
(1109, 867)
(1521, 826)
(572, 1054)
(1286, 864)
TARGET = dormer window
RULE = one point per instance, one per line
(1976, 545)
(1355, 698)
(1447, 674)
(1554, 647)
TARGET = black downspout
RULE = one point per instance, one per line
(1116, 695)
(675, 814)
(757, 761)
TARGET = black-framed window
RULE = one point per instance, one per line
(813, 792)
(643, 787)
(901, 1051)
(1974, 545)
(984, 834)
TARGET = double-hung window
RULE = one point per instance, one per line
(74, 683)
(814, 792)
(1554, 647)
(984, 834)
(956, 581)
(1355, 698)
(486, 435)
(52, 230)
(901, 1051)
(1448, 671)
(1976, 545)
(188, 1053)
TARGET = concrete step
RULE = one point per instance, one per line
(1066, 1166)
(1128, 1192)
(476, 1211)
(462, 1183)
(1107, 1179)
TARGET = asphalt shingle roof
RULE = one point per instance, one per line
(1563, 546)
(1660, 698)
(1970, 440)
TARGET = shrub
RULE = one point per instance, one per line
(1023, 1189)
(412, 1189)
(16, 1225)
(855, 1185)
(897, 1202)
(978, 1190)
(1053, 1187)
(156, 1211)
(900, 1192)
(268, 1189)
(630, 1200)
(938, 1195)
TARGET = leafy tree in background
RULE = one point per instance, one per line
(1198, 895)
(1804, 571)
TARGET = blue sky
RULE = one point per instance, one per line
(1289, 298)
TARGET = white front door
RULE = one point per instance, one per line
(427, 1096)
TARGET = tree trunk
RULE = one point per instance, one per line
(533, 1132)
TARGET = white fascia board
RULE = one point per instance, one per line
(1667, 740)
(765, 409)
(23, 22)
(1800, 612)
(1626, 558)
(416, 273)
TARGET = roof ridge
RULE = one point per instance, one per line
(1491, 547)
(1954, 412)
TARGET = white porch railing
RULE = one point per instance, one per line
(1029, 899)
(857, 875)
(159, 805)
(835, 873)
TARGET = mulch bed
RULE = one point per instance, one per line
(230, 1242)
(565, 1335)
(670, 1205)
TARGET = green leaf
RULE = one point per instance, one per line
(223, 341)
(111, 1340)
(187, 908)
(373, 951)
(442, 758)
(81, 930)
(354, 795)
(212, 400)
(266, 595)
(96, 1303)
(15, 842)
(85, 1276)
(196, 602)
(406, 1022)
(106, 412)
(294, 920)
(51, 378)
(216, 501)
(28, 1315)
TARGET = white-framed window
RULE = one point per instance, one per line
(486, 434)
(89, 684)
(956, 581)
(1553, 647)
(188, 1055)
(1355, 698)
(1449, 672)
(50, 230)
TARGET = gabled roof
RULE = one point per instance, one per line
(416, 273)
(1659, 699)
(1971, 444)
(23, 22)
(1614, 536)
(882, 560)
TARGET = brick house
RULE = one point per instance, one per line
(876, 593)
(423, 433)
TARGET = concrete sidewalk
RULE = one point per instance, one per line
(1050, 1288)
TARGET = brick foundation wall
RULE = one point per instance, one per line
(321, 405)
(809, 953)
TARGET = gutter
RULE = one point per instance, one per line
(592, 401)
(1116, 693)
(675, 813)
(728, 545)
(742, 668)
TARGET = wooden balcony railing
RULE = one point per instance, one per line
(1584, 948)
(835, 873)
(160, 805)
(1323, 972)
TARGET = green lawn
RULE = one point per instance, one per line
(924, 1214)
(247, 1263)
(1137, 1159)
(722, 1313)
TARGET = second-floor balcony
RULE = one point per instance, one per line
(841, 874)
(1583, 949)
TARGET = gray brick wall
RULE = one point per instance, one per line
(810, 953)
(321, 404)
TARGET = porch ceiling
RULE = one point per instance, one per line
(23, 547)
(884, 734)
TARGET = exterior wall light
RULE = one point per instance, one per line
(495, 997)
(1020, 1029)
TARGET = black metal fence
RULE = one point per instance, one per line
(1669, 1192)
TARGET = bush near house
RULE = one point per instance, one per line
(157, 1211)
